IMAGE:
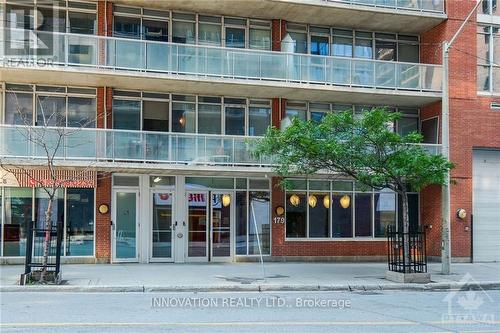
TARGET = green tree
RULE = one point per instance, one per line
(363, 147)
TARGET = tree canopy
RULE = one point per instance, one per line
(362, 146)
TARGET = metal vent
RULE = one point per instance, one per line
(495, 105)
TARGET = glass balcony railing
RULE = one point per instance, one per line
(94, 145)
(70, 50)
(433, 6)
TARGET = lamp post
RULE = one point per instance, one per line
(445, 133)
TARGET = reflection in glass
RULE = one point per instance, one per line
(81, 112)
(125, 232)
(126, 114)
(209, 119)
(241, 223)
(385, 211)
(221, 225)
(183, 117)
(296, 214)
(79, 222)
(18, 109)
(197, 224)
(259, 218)
(363, 214)
(162, 225)
(235, 37)
(341, 217)
(319, 215)
(235, 120)
(259, 119)
(18, 212)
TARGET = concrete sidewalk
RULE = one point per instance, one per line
(248, 277)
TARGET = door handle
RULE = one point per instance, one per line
(184, 223)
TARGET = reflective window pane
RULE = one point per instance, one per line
(209, 119)
(18, 108)
(209, 34)
(183, 32)
(260, 223)
(241, 223)
(155, 30)
(259, 119)
(385, 50)
(162, 225)
(363, 214)
(50, 111)
(408, 53)
(235, 37)
(319, 215)
(82, 23)
(235, 120)
(127, 27)
(413, 212)
(41, 204)
(260, 39)
(299, 43)
(342, 209)
(126, 114)
(81, 112)
(363, 48)
(296, 214)
(385, 211)
(17, 215)
(183, 117)
(79, 222)
(407, 125)
(342, 46)
(319, 45)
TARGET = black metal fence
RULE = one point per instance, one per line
(417, 261)
(35, 243)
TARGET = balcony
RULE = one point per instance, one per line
(116, 147)
(111, 148)
(403, 16)
(204, 69)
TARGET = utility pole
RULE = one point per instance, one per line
(445, 133)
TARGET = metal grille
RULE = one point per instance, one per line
(35, 248)
(417, 262)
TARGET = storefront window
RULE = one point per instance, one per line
(413, 212)
(342, 215)
(41, 204)
(385, 211)
(363, 214)
(319, 215)
(259, 224)
(79, 222)
(296, 214)
(18, 212)
(241, 223)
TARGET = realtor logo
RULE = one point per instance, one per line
(464, 304)
(29, 37)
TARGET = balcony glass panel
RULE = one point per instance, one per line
(130, 54)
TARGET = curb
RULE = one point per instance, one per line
(437, 286)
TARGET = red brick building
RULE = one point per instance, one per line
(175, 89)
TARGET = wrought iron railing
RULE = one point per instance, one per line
(397, 241)
(37, 237)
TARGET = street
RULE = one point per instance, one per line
(472, 311)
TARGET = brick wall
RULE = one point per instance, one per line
(472, 125)
(102, 228)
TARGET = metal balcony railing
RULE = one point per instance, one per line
(121, 54)
(111, 145)
(94, 145)
(432, 6)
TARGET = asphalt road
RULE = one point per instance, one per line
(475, 311)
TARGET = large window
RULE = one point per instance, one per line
(342, 209)
(488, 59)
(190, 28)
(190, 114)
(352, 43)
(74, 207)
(54, 106)
(409, 121)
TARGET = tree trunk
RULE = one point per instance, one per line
(406, 230)
(46, 240)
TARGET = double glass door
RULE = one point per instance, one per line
(209, 226)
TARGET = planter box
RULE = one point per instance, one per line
(408, 277)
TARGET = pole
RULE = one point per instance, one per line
(445, 190)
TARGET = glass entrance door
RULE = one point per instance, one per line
(209, 226)
(162, 227)
(198, 226)
(125, 226)
(220, 231)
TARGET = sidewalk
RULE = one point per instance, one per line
(248, 277)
